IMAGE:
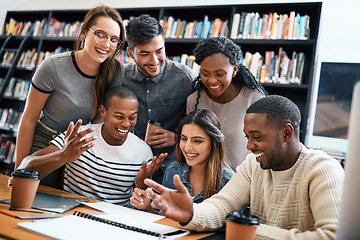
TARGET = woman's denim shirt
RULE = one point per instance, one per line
(183, 170)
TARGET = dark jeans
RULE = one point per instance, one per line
(42, 138)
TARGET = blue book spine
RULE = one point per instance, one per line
(206, 28)
(302, 27)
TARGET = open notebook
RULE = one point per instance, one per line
(53, 203)
(102, 226)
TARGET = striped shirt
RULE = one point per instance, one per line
(105, 172)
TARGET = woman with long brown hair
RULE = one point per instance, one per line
(200, 155)
(71, 85)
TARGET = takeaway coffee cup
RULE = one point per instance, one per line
(241, 226)
(152, 125)
(24, 186)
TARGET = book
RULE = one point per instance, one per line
(302, 28)
(11, 28)
(247, 25)
(262, 28)
(178, 31)
(274, 25)
(268, 26)
(183, 28)
(169, 25)
(224, 29)
(254, 26)
(300, 68)
(291, 25)
(286, 27)
(216, 30)
(198, 29)
(255, 65)
(307, 27)
(206, 29)
(102, 226)
(174, 29)
(296, 26)
(235, 26)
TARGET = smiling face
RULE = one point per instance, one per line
(119, 119)
(149, 57)
(195, 145)
(217, 73)
(100, 51)
(265, 141)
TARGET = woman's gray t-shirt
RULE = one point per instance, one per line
(71, 91)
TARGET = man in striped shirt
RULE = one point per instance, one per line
(102, 161)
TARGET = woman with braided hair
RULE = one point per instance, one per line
(227, 88)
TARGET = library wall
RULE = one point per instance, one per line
(337, 35)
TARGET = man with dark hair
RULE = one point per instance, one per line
(295, 191)
(161, 85)
(102, 161)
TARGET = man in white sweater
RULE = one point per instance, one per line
(295, 191)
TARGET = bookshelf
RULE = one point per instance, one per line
(47, 41)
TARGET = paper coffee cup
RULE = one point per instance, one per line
(24, 186)
(241, 226)
(152, 125)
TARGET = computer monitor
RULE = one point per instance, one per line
(331, 103)
(349, 218)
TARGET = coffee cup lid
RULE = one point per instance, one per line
(26, 173)
(243, 218)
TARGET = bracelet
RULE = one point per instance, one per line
(140, 186)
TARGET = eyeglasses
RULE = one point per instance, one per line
(101, 38)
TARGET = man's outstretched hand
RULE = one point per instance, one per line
(175, 204)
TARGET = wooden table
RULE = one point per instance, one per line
(8, 224)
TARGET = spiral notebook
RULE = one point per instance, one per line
(106, 226)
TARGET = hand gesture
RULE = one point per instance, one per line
(75, 143)
(147, 171)
(174, 204)
(161, 138)
(140, 200)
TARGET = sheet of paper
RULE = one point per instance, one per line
(73, 227)
(76, 227)
(112, 208)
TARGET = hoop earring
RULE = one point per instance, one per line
(82, 43)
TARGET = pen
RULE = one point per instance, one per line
(7, 213)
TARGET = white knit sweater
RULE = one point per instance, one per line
(302, 202)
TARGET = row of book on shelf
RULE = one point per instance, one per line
(177, 28)
(10, 118)
(273, 67)
(51, 28)
(7, 150)
(271, 25)
(17, 88)
(30, 58)
(270, 68)
(245, 25)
